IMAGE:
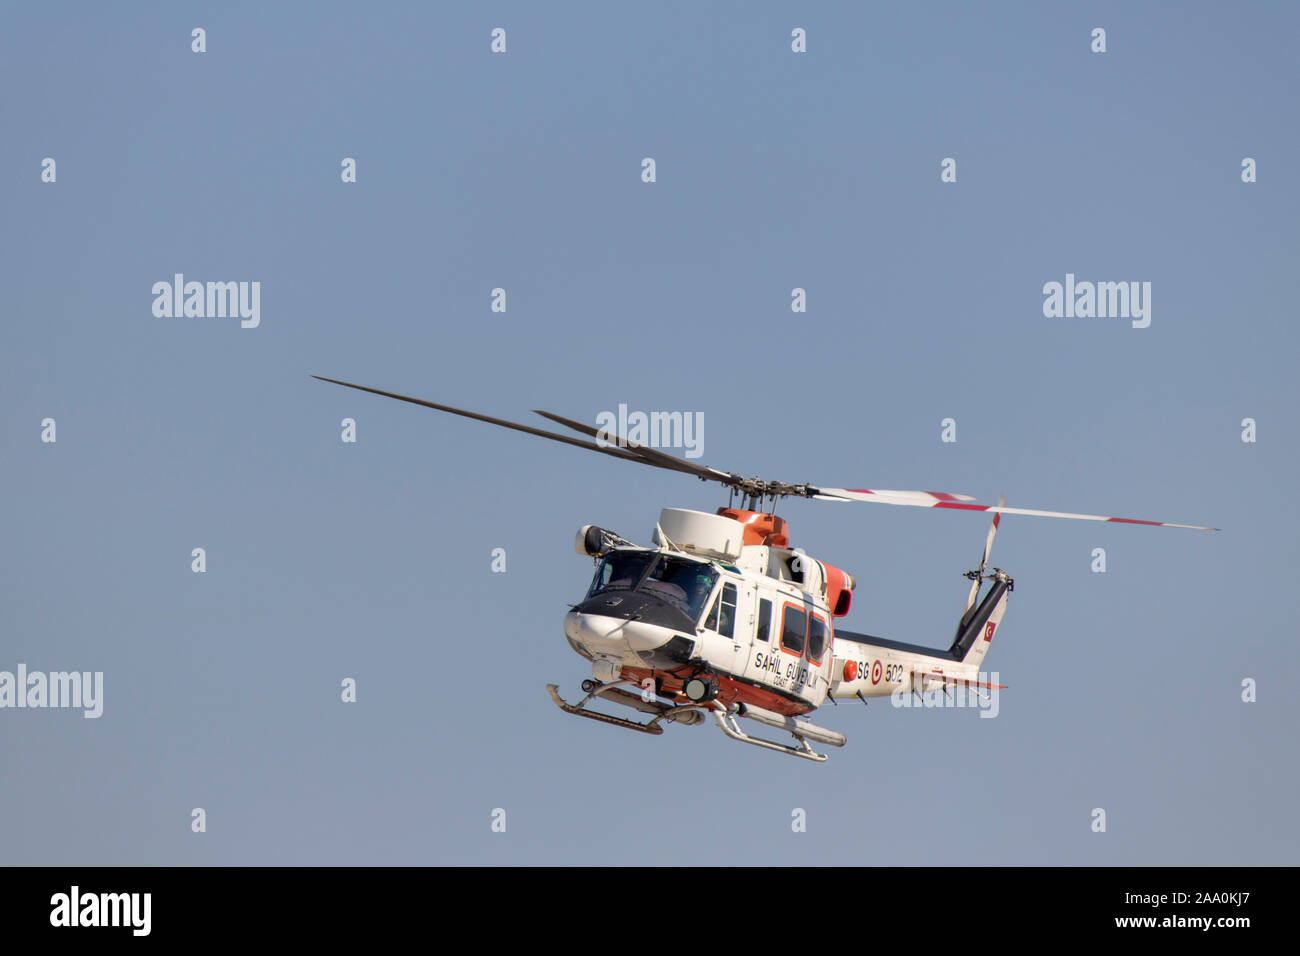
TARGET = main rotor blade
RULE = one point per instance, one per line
(645, 455)
(613, 452)
(923, 499)
(1066, 514)
(704, 472)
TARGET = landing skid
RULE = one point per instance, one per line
(614, 692)
(732, 729)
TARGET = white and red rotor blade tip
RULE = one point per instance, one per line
(935, 499)
(921, 499)
(1066, 514)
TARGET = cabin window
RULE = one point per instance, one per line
(764, 620)
(816, 638)
(722, 616)
(794, 624)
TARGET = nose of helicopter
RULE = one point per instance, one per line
(624, 624)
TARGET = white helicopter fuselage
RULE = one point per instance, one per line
(763, 632)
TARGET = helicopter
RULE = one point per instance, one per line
(721, 618)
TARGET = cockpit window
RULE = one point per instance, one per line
(621, 569)
(684, 584)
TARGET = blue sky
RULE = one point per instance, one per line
(522, 171)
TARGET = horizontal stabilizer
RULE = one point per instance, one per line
(949, 679)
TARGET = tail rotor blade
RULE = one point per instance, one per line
(993, 530)
(984, 560)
